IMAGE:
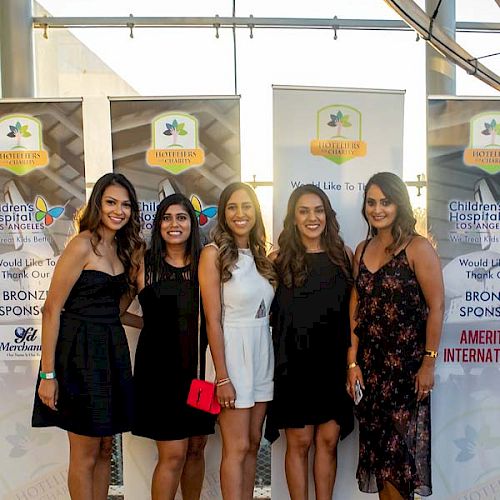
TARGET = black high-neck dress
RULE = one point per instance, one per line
(92, 361)
(311, 336)
(166, 359)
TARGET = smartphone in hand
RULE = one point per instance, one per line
(358, 393)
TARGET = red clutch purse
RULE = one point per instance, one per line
(202, 396)
(201, 393)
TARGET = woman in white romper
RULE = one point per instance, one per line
(237, 285)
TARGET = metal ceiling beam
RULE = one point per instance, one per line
(244, 22)
(436, 36)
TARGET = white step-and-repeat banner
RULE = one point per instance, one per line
(164, 146)
(335, 139)
(42, 183)
(464, 218)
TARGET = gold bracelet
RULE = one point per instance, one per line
(222, 382)
(430, 353)
(352, 365)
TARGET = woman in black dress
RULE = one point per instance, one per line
(171, 346)
(396, 318)
(85, 384)
(310, 321)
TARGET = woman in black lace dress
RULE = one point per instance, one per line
(85, 384)
(310, 319)
(396, 320)
(167, 353)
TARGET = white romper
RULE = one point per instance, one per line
(247, 298)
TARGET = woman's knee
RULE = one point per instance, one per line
(327, 441)
(84, 452)
(172, 458)
(299, 443)
(106, 449)
(196, 448)
(254, 442)
(237, 449)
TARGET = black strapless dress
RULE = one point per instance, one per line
(92, 361)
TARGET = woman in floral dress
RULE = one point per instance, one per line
(396, 319)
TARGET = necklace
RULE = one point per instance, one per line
(314, 250)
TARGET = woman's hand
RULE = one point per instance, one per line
(48, 391)
(226, 395)
(354, 374)
(424, 380)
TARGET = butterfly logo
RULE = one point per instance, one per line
(43, 212)
(203, 214)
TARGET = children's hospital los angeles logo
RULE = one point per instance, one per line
(21, 148)
(338, 134)
(174, 143)
(484, 142)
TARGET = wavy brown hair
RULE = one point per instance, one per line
(129, 242)
(291, 259)
(223, 238)
(395, 191)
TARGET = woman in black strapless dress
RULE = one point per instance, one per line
(171, 346)
(85, 382)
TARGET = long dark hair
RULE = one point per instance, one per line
(155, 255)
(223, 237)
(395, 191)
(129, 242)
(291, 259)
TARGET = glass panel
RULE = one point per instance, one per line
(106, 61)
(364, 9)
(478, 44)
(478, 10)
(386, 60)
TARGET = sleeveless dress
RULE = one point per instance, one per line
(92, 361)
(394, 429)
(246, 302)
(166, 359)
(311, 336)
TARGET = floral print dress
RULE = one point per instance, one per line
(394, 429)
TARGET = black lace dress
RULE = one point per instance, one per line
(394, 429)
(167, 357)
(311, 336)
(92, 361)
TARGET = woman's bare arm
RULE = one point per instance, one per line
(425, 263)
(69, 267)
(210, 287)
(127, 318)
(354, 372)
